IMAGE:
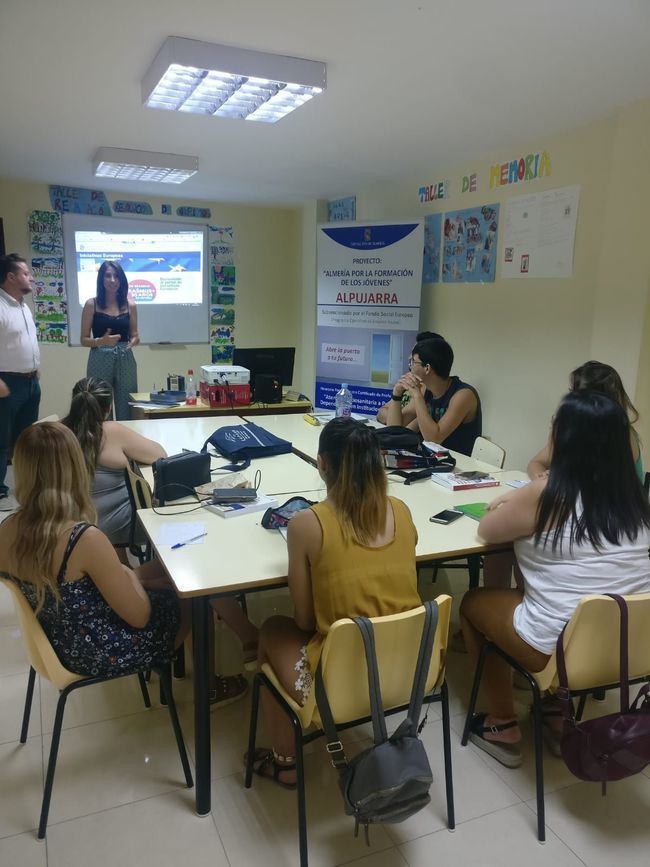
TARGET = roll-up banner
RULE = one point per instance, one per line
(368, 300)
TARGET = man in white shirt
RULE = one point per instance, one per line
(19, 362)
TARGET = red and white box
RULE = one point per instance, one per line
(225, 395)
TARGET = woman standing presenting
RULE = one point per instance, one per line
(109, 326)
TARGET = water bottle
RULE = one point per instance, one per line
(190, 389)
(343, 402)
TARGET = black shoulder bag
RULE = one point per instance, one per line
(390, 781)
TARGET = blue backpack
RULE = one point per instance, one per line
(240, 443)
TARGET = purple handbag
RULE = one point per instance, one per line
(609, 747)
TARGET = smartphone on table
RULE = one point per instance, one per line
(447, 516)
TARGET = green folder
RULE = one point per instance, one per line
(473, 510)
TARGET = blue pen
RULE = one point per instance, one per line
(187, 541)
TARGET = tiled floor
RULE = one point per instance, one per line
(118, 794)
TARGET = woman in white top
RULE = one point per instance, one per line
(582, 529)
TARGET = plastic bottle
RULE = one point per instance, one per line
(190, 389)
(343, 402)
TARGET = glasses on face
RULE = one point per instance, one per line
(413, 361)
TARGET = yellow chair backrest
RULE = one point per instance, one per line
(592, 641)
(397, 641)
(40, 652)
(140, 490)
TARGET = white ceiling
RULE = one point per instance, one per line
(413, 86)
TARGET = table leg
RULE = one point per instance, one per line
(474, 569)
(200, 646)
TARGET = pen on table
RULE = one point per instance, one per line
(310, 419)
(187, 541)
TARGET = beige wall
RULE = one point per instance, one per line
(517, 340)
(268, 310)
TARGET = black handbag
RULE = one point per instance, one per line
(177, 475)
(390, 781)
(398, 437)
(609, 747)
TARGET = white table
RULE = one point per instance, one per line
(304, 439)
(239, 555)
(282, 475)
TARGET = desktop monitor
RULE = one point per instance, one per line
(278, 361)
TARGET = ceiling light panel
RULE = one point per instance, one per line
(222, 81)
(131, 165)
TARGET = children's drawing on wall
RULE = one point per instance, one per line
(431, 264)
(45, 232)
(470, 238)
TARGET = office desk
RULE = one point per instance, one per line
(282, 475)
(239, 555)
(204, 409)
(304, 438)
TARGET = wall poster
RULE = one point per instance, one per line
(470, 245)
(221, 257)
(432, 232)
(368, 308)
(539, 234)
(50, 301)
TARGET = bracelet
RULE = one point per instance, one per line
(396, 397)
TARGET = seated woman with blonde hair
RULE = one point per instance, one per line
(100, 616)
(351, 555)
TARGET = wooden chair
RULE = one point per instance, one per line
(397, 640)
(44, 660)
(140, 497)
(591, 647)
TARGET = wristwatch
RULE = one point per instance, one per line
(396, 397)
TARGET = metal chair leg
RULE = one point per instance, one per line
(300, 790)
(446, 742)
(179, 663)
(539, 763)
(144, 690)
(28, 704)
(166, 686)
(252, 731)
(581, 707)
(487, 647)
(51, 765)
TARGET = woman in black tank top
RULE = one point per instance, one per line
(109, 326)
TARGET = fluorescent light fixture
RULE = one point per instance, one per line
(125, 164)
(222, 81)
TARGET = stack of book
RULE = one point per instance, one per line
(464, 481)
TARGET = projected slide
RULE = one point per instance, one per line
(162, 268)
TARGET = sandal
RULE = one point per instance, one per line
(457, 642)
(227, 689)
(508, 754)
(250, 655)
(266, 764)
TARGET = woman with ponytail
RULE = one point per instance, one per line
(352, 554)
(107, 447)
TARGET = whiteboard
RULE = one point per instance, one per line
(166, 265)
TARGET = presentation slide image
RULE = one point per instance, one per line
(160, 268)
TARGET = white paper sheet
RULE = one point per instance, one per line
(175, 533)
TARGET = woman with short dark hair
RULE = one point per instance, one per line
(582, 529)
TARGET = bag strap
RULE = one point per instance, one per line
(624, 652)
(333, 746)
(563, 693)
(424, 660)
(379, 732)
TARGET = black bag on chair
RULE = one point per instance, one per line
(390, 781)
(609, 747)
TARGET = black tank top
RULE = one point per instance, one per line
(120, 324)
(462, 439)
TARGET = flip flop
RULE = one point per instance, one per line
(508, 755)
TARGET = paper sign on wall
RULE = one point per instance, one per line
(539, 234)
